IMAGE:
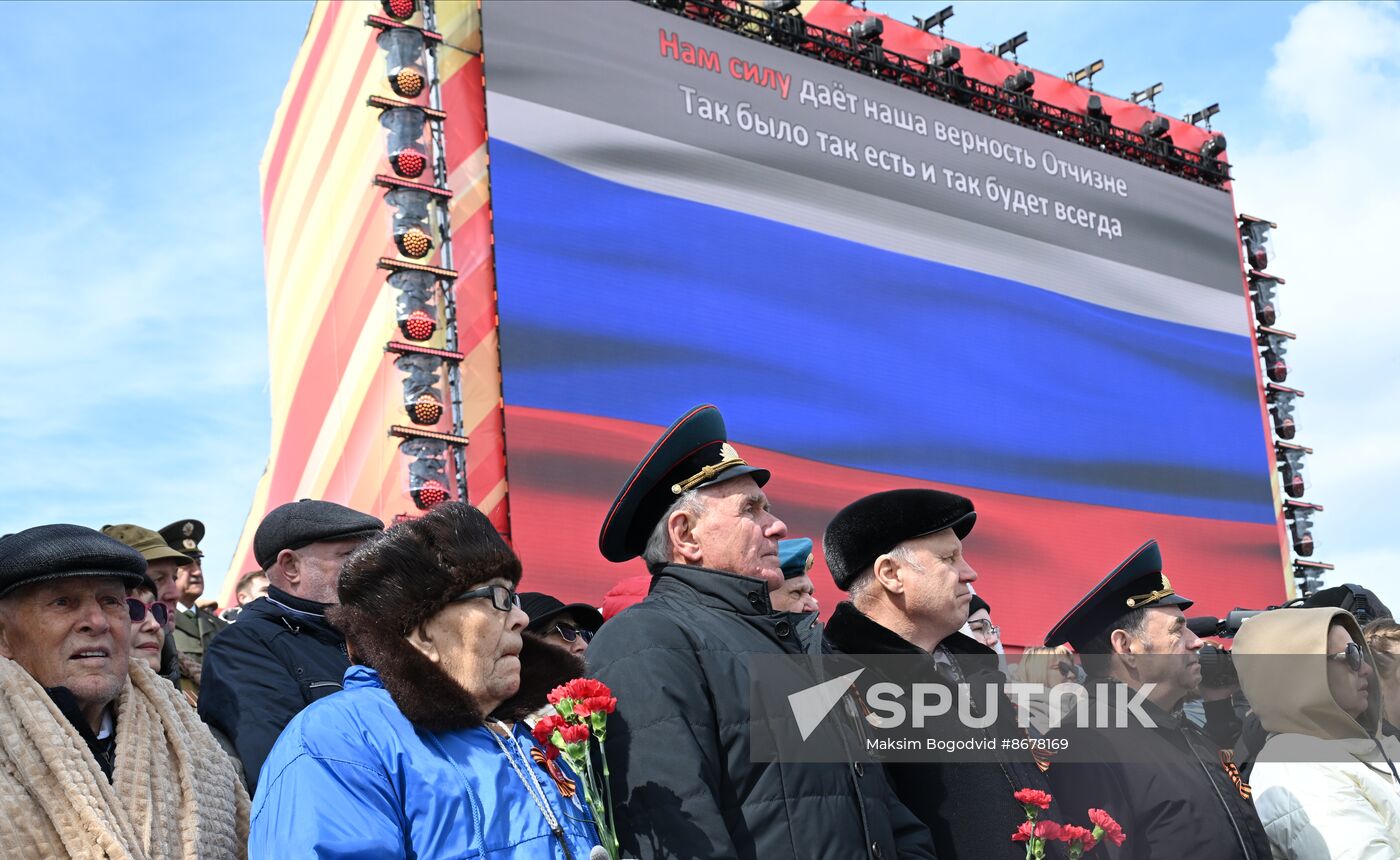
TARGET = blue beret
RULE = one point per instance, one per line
(795, 555)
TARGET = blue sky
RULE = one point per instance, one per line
(135, 356)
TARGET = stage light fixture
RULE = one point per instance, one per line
(1156, 128)
(1274, 342)
(427, 471)
(422, 386)
(411, 229)
(938, 19)
(1203, 115)
(1094, 109)
(1263, 289)
(415, 308)
(400, 10)
(945, 57)
(1300, 524)
(1086, 74)
(868, 30)
(1308, 575)
(1148, 95)
(1257, 235)
(1214, 147)
(1021, 82)
(407, 154)
(1290, 465)
(1283, 402)
(405, 61)
(1010, 45)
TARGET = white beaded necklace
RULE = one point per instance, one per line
(532, 785)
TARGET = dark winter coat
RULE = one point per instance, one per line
(1167, 786)
(968, 806)
(683, 782)
(281, 656)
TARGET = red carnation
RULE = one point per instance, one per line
(1112, 830)
(1074, 835)
(581, 688)
(574, 733)
(1033, 797)
(1038, 829)
(544, 729)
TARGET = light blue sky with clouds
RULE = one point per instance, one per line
(134, 360)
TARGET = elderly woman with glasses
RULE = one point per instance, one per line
(1325, 783)
(422, 755)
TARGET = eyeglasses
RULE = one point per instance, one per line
(503, 597)
(137, 609)
(1353, 657)
(1066, 669)
(570, 632)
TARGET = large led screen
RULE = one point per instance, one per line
(878, 289)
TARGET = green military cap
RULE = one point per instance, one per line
(185, 535)
(150, 544)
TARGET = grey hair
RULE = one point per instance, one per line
(862, 587)
(658, 548)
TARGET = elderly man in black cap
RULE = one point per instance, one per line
(899, 554)
(282, 655)
(684, 782)
(1172, 790)
(195, 626)
(99, 756)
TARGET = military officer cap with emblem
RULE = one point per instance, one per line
(694, 452)
(871, 526)
(1136, 583)
(795, 556)
(185, 535)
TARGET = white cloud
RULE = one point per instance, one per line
(1327, 177)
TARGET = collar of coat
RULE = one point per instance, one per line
(429, 697)
(854, 632)
(720, 589)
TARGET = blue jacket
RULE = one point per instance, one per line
(352, 777)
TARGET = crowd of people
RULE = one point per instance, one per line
(372, 693)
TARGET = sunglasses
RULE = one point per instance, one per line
(503, 597)
(138, 609)
(984, 628)
(1066, 669)
(571, 633)
(1353, 657)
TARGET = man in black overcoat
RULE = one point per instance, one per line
(685, 782)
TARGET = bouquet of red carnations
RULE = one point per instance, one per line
(581, 718)
(1080, 840)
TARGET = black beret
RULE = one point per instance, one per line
(977, 605)
(870, 527)
(1136, 583)
(60, 551)
(694, 452)
(298, 524)
(544, 608)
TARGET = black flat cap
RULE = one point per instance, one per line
(61, 551)
(185, 535)
(978, 604)
(298, 524)
(870, 527)
(543, 609)
(1136, 583)
(694, 452)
